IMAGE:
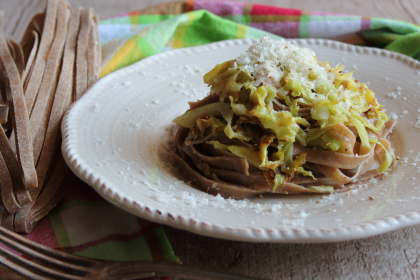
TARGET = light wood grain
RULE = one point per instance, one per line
(394, 255)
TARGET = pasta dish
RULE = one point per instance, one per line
(276, 120)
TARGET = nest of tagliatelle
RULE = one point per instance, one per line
(277, 120)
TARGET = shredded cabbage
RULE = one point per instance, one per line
(213, 109)
(273, 105)
(387, 162)
(332, 143)
(250, 154)
(388, 158)
(278, 181)
(364, 137)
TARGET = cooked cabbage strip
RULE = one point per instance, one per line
(213, 109)
(385, 154)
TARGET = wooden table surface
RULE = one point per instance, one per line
(393, 255)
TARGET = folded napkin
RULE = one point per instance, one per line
(85, 224)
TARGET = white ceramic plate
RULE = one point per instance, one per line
(115, 135)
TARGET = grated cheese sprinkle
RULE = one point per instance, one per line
(270, 59)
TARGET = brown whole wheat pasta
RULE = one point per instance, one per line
(18, 190)
(42, 55)
(93, 52)
(16, 103)
(31, 57)
(82, 53)
(51, 70)
(35, 26)
(38, 139)
(18, 56)
(58, 58)
(4, 111)
(41, 199)
(36, 73)
(8, 197)
(63, 92)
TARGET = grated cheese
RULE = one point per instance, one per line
(392, 95)
(269, 60)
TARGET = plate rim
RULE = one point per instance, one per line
(251, 234)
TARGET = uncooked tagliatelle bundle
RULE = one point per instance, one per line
(56, 61)
(278, 120)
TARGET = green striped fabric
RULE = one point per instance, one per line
(136, 35)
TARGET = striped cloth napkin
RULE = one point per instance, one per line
(85, 224)
(135, 35)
